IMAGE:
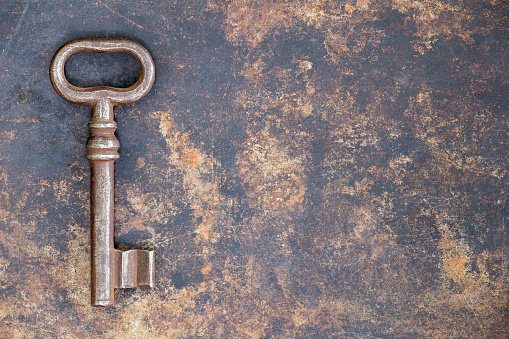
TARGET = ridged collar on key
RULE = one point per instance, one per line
(91, 95)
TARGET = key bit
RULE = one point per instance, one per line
(111, 268)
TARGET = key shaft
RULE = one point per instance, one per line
(102, 151)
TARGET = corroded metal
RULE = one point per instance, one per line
(111, 268)
(307, 169)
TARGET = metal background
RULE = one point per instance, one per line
(311, 169)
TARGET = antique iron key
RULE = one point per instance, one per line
(111, 268)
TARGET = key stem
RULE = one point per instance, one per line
(102, 151)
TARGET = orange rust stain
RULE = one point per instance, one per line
(204, 233)
(209, 219)
(7, 334)
(433, 141)
(254, 71)
(362, 3)
(167, 122)
(249, 23)
(454, 258)
(423, 96)
(8, 135)
(189, 156)
(181, 142)
(206, 269)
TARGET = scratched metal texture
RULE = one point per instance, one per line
(308, 169)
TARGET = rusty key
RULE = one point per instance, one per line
(111, 268)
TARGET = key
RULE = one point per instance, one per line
(111, 268)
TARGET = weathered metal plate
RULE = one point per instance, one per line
(305, 169)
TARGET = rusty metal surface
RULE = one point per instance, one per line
(110, 268)
(307, 169)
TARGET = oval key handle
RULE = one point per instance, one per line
(91, 95)
(111, 268)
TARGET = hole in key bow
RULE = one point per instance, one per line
(89, 69)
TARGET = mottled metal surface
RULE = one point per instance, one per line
(110, 268)
(308, 169)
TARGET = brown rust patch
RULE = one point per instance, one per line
(276, 180)
(249, 22)
(454, 259)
